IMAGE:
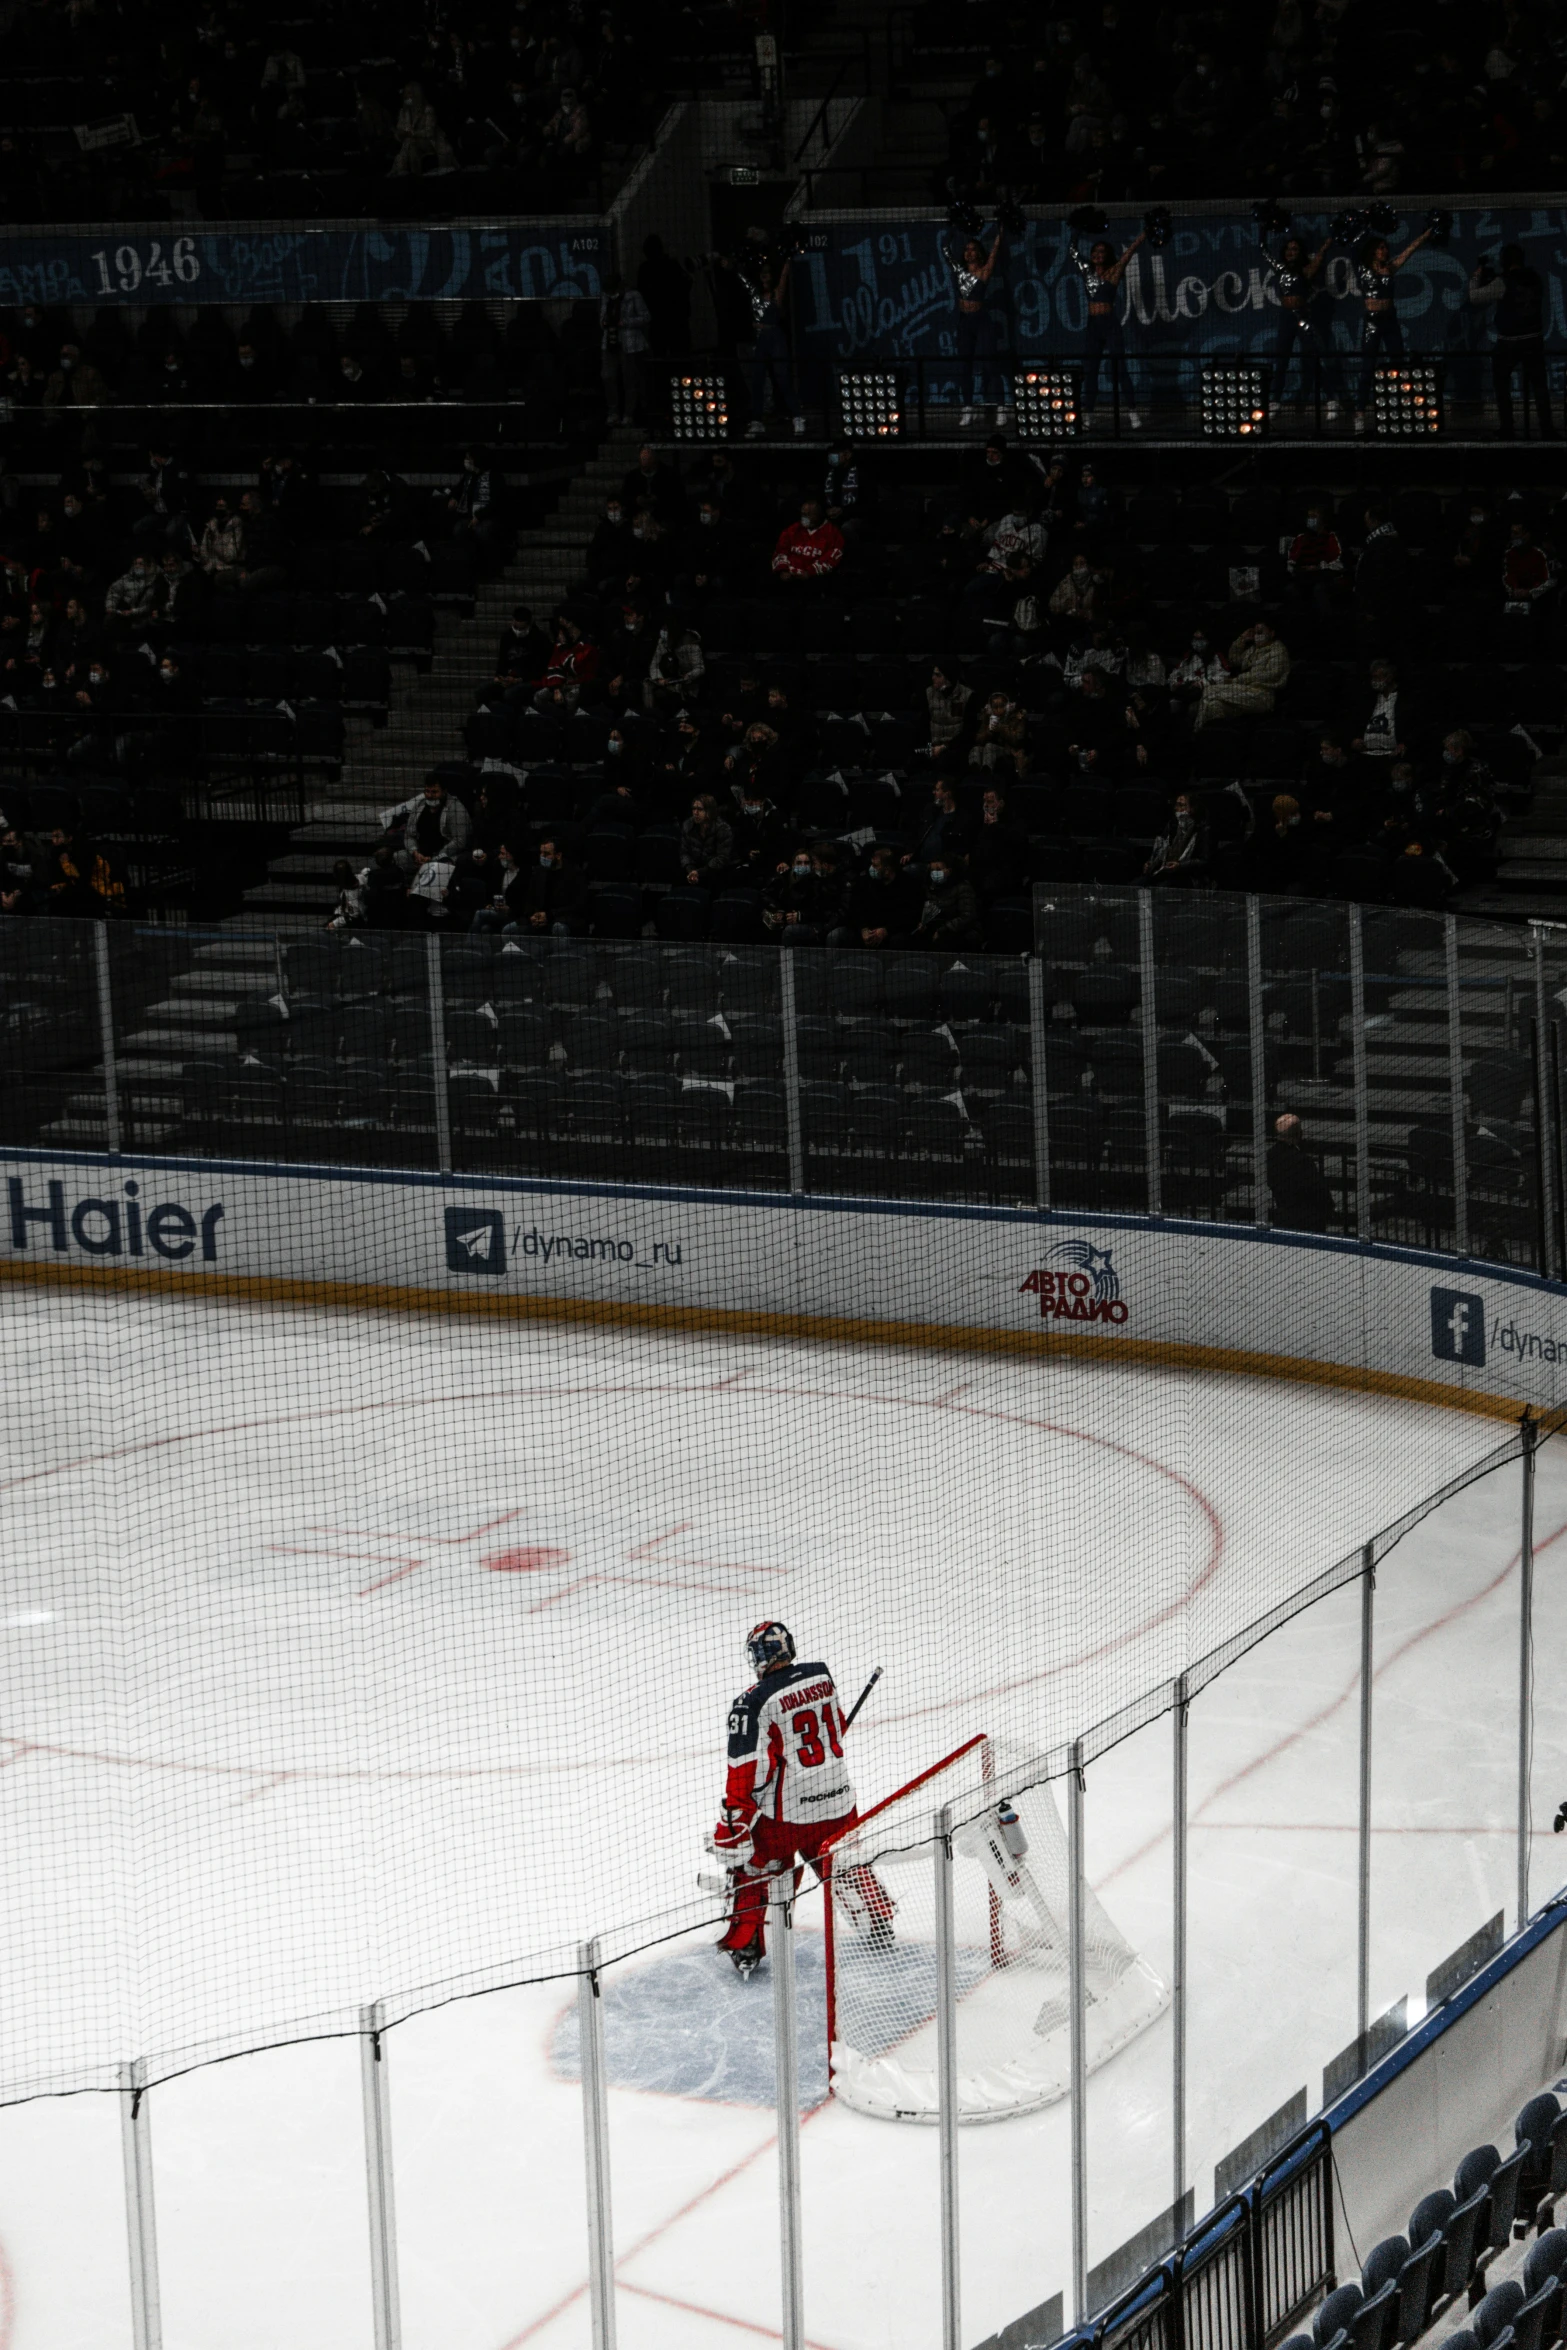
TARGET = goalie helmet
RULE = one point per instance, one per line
(767, 1645)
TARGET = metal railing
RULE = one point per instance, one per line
(1136, 1065)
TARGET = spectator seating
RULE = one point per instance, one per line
(1455, 2237)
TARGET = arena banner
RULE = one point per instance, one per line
(518, 261)
(1248, 1301)
(879, 288)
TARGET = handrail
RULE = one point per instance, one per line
(863, 60)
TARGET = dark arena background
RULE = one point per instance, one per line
(783, 1073)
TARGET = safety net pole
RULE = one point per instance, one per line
(786, 2075)
(1180, 1714)
(595, 2147)
(140, 2213)
(1531, 1437)
(1455, 1087)
(947, 2085)
(1368, 1585)
(375, 2087)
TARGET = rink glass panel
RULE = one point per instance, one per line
(1272, 1910)
(1137, 1063)
(260, 2206)
(1128, 1856)
(1444, 1806)
(487, 2135)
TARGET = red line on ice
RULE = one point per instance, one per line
(659, 1540)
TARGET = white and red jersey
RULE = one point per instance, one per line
(786, 1749)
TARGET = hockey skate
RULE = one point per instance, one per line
(746, 1961)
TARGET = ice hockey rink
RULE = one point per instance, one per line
(345, 1654)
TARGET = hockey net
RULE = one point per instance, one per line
(1011, 1892)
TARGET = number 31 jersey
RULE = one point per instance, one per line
(786, 1748)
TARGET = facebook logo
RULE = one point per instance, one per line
(475, 1240)
(1457, 1326)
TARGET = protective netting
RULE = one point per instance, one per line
(359, 1655)
(1011, 1896)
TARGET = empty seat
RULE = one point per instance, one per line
(1336, 2313)
(1105, 995)
(1497, 2311)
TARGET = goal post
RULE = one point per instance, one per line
(1011, 1902)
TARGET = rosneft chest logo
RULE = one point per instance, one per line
(1079, 1284)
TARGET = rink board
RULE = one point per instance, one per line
(1188, 1296)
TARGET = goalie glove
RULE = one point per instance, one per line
(731, 1842)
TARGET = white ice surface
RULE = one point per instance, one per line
(345, 1654)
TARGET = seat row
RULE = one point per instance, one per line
(1454, 2235)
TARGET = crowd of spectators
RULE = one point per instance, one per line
(1132, 101)
(213, 111)
(868, 714)
(156, 627)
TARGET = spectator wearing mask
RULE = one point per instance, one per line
(1515, 296)
(625, 323)
(1316, 565)
(707, 844)
(1299, 1196)
(548, 895)
(716, 553)
(1074, 600)
(1180, 854)
(809, 550)
(949, 917)
(806, 897)
(1259, 668)
(1200, 666)
(435, 825)
(133, 599)
(885, 903)
(523, 651)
